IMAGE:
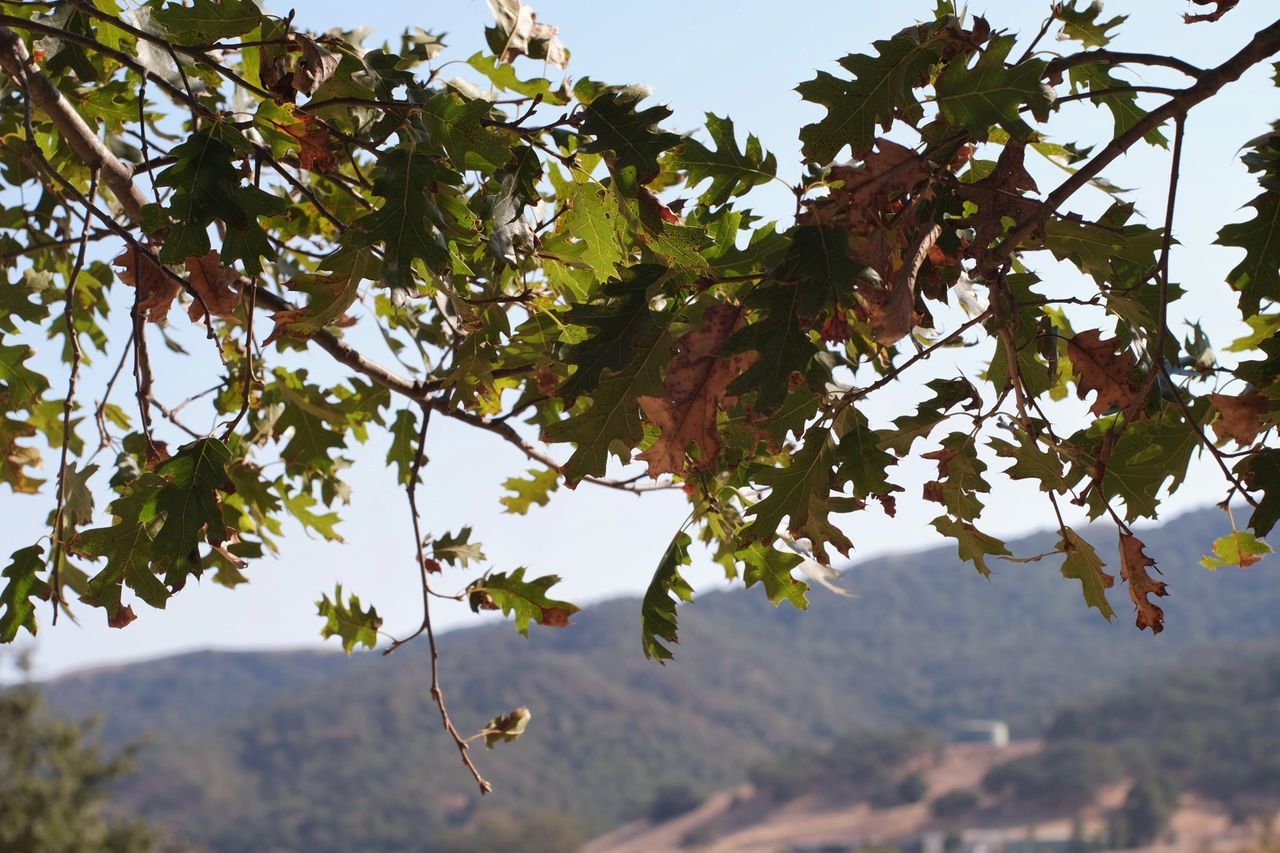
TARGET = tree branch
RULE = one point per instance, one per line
(116, 174)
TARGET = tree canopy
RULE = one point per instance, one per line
(370, 243)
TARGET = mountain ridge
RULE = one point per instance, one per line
(337, 750)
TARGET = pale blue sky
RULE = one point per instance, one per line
(742, 59)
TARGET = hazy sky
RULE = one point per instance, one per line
(741, 59)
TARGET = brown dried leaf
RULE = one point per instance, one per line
(870, 191)
(999, 196)
(1100, 368)
(555, 617)
(1134, 563)
(156, 287)
(212, 282)
(121, 617)
(315, 67)
(1241, 416)
(890, 309)
(695, 387)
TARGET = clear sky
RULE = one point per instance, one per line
(736, 58)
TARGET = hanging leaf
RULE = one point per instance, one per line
(347, 620)
(526, 600)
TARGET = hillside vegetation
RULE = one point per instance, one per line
(308, 751)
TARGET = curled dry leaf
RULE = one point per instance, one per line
(890, 309)
(868, 201)
(505, 728)
(999, 196)
(122, 617)
(212, 282)
(518, 33)
(695, 387)
(1102, 369)
(156, 286)
(1134, 563)
(315, 67)
(1240, 416)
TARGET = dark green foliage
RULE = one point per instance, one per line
(671, 801)
(1213, 728)
(54, 781)
(954, 804)
(1064, 777)
(1145, 815)
(865, 765)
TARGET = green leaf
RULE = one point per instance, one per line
(1261, 473)
(974, 545)
(615, 323)
(189, 502)
(527, 600)
(1241, 549)
(821, 264)
(504, 77)
(879, 91)
(732, 172)
(347, 620)
(590, 229)
(1257, 277)
(300, 504)
(20, 386)
(531, 490)
(1083, 25)
(408, 178)
(766, 565)
(863, 462)
(800, 493)
(126, 545)
(612, 420)
(457, 549)
(404, 444)
(455, 124)
(1125, 112)
(989, 93)
(960, 480)
(1149, 453)
(207, 21)
(207, 188)
(658, 618)
(1082, 564)
(1095, 247)
(23, 571)
(329, 295)
(1032, 461)
(616, 126)
(947, 394)
(784, 347)
(1264, 327)
(16, 303)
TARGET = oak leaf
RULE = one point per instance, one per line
(1134, 563)
(212, 282)
(696, 383)
(1102, 369)
(156, 286)
(1241, 416)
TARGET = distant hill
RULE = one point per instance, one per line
(1185, 754)
(286, 751)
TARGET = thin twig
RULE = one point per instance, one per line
(68, 405)
(437, 693)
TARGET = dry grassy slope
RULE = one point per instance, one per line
(736, 821)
